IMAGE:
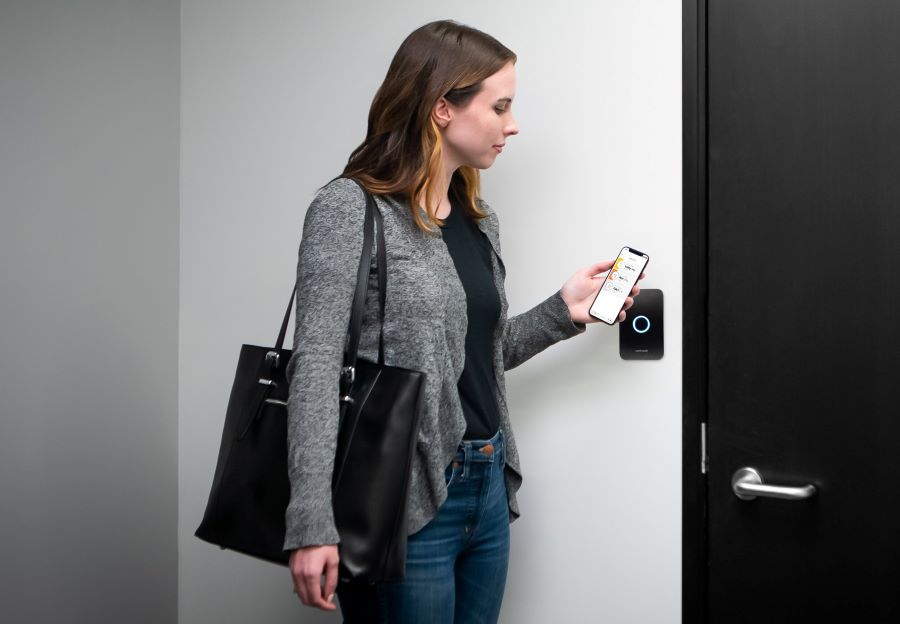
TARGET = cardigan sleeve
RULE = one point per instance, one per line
(326, 279)
(527, 334)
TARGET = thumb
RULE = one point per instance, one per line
(599, 267)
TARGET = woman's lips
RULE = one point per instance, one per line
(499, 148)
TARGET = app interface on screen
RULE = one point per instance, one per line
(622, 277)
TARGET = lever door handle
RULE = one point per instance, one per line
(747, 485)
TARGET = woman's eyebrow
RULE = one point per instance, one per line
(506, 99)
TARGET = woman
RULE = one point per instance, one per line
(442, 114)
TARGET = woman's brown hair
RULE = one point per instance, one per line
(401, 154)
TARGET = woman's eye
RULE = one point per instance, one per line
(500, 110)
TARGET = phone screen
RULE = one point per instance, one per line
(618, 284)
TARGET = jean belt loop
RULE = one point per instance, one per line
(467, 454)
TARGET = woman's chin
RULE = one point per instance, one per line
(486, 164)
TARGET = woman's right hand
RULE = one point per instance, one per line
(307, 566)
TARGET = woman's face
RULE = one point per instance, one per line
(474, 134)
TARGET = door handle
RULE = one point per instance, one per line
(747, 485)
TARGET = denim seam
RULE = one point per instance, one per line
(484, 502)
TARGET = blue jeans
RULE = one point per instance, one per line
(456, 565)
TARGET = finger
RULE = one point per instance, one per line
(331, 581)
(300, 589)
(297, 577)
(312, 581)
(635, 291)
(622, 316)
(643, 275)
(628, 303)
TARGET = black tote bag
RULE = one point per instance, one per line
(380, 407)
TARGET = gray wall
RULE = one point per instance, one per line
(275, 96)
(88, 310)
(113, 302)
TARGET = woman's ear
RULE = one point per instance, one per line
(441, 113)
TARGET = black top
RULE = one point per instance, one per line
(471, 252)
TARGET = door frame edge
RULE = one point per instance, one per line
(694, 566)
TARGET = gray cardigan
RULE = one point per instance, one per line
(424, 329)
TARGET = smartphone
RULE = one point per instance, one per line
(621, 278)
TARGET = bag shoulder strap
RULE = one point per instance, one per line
(362, 281)
(373, 216)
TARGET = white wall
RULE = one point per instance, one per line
(88, 311)
(275, 96)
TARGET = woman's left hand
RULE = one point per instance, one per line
(581, 289)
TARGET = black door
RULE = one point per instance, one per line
(802, 329)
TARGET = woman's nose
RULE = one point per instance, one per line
(512, 127)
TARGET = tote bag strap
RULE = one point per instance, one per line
(373, 216)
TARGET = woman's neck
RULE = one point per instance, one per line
(442, 190)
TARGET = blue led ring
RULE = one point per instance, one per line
(635, 327)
